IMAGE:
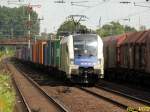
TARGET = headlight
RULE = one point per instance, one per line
(72, 61)
(99, 61)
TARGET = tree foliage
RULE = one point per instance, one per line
(13, 22)
(70, 26)
(142, 28)
(114, 28)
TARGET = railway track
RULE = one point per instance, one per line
(122, 100)
(26, 105)
(58, 105)
(123, 106)
(73, 88)
(143, 101)
(114, 102)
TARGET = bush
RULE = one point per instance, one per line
(7, 94)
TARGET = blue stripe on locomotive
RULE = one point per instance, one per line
(85, 61)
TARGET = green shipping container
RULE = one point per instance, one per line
(49, 53)
(57, 53)
(53, 53)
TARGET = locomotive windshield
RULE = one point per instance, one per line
(85, 45)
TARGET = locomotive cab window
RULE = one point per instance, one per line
(85, 45)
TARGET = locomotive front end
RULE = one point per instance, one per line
(87, 65)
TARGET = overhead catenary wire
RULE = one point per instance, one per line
(129, 15)
(83, 3)
(87, 8)
(98, 3)
(135, 4)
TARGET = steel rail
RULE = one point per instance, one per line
(54, 101)
(123, 94)
(51, 99)
(123, 106)
(27, 107)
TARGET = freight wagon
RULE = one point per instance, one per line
(79, 57)
(112, 54)
(127, 56)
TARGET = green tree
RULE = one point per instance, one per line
(114, 28)
(70, 26)
(13, 21)
(142, 28)
(129, 29)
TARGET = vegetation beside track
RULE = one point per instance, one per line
(7, 93)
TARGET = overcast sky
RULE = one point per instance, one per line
(109, 10)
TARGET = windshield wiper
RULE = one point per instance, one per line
(91, 55)
(79, 55)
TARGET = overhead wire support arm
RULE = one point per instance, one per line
(125, 2)
(80, 3)
(60, 1)
(77, 20)
(15, 2)
(80, 17)
(141, 5)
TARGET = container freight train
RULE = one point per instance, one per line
(78, 56)
(127, 56)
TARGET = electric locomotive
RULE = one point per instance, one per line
(82, 58)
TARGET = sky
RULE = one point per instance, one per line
(54, 14)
